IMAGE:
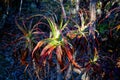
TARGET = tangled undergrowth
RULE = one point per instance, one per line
(60, 44)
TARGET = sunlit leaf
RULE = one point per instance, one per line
(61, 24)
(39, 44)
(45, 49)
(95, 58)
(118, 27)
(59, 55)
(63, 27)
(53, 26)
(70, 57)
(118, 62)
(23, 57)
(71, 34)
(37, 32)
(43, 56)
(20, 27)
(110, 51)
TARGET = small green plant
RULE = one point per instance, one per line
(80, 30)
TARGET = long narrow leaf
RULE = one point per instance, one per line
(40, 43)
(53, 27)
(70, 57)
(45, 49)
(61, 24)
(24, 32)
(63, 27)
(43, 57)
(59, 56)
(13, 42)
(24, 26)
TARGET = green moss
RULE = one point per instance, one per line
(103, 27)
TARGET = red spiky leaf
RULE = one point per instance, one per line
(23, 57)
(48, 51)
(40, 43)
(59, 56)
(70, 57)
(45, 49)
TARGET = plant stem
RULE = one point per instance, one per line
(92, 27)
(92, 18)
(63, 10)
(21, 2)
(77, 5)
(69, 73)
(59, 75)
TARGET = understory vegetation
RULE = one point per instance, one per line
(60, 39)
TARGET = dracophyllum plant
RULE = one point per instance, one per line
(30, 34)
(80, 30)
(55, 43)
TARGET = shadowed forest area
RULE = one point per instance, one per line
(59, 39)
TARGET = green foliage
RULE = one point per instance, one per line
(104, 27)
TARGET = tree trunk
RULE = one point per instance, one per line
(59, 74)
(77, 5)
(92, 18)
(92, 27)
(21, 2)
